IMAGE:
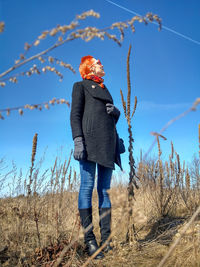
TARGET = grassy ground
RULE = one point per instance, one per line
(35, 231)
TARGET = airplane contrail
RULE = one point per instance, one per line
(163, 27)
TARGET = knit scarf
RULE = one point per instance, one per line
(95, 78)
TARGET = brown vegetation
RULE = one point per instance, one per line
(37, 225)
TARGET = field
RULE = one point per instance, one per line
(155, 216)
(37, 224)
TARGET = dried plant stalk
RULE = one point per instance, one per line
(187, 180)
(179, 169)
(63, 180)
(34, 147)
(161, 184)
(128, 84)
(132, 175)
(35, 106)
(159, 150)
(158, 135)
(192, 108)
(135, 105)
(172, 149)
(123, 103)
(199, 142)
(168, 174)
(165, 190)
(2, 26)
(36, 219)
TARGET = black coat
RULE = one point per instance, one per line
(89, 119)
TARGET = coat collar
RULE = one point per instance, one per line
(97, 91)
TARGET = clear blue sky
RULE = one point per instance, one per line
(165, 75)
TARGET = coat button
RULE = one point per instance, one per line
(93, 86)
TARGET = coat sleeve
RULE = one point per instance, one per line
(116, 118)
(77, 109)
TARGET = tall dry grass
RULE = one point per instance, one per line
(35, 234)
(132, 185)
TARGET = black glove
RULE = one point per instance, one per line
(112, 110)
(79, 148)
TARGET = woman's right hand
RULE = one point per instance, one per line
(79, 148)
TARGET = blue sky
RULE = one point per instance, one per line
(165, 75)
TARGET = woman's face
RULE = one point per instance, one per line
(97, 68)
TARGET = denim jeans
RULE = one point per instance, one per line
(87, 172)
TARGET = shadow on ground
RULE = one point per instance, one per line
(163, 230)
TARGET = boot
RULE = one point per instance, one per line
(89, 237)
(105, 227)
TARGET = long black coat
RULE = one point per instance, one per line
(89, 119)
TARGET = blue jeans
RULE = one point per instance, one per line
(87, 171)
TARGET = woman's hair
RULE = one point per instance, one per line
(84, 67)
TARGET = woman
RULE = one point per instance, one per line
(93, 118)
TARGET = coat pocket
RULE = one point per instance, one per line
(120, 145)
(89, 126)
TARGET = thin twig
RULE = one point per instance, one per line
(193, 108)
(36, 105)
(16, 66)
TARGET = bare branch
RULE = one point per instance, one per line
(2, 26)
(192, 108)
(34, 106)
(85, 34)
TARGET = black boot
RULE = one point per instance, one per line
(105, 227)
(89, 237)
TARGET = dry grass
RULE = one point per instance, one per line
(58, 227)
(37, 226)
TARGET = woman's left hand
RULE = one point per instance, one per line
(112, 110)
